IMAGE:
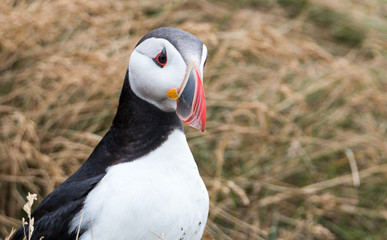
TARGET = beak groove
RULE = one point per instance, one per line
(191, 104)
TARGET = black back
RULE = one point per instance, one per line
(138, 128)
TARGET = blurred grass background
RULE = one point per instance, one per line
(296, 141)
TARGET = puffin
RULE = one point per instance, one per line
(141, 181)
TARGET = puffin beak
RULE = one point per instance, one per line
(191, 104)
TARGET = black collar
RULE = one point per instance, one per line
(138, 128)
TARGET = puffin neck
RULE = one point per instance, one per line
(134, 113)
(138, 128)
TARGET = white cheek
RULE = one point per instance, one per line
(151, 83)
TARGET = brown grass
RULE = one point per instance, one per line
(296, 143)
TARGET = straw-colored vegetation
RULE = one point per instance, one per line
(296, 140)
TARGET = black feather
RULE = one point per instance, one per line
(138, 128)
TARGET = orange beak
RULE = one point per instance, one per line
(191, 104)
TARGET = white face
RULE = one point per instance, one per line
(150, 81)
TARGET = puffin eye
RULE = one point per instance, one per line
(161, 58)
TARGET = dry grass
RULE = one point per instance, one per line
(296, 144)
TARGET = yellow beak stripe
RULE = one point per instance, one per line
(172, 94)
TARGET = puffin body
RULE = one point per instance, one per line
(159, 194)
(141, 181)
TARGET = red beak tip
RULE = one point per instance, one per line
(192, 100)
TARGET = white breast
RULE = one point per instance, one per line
(160, 194)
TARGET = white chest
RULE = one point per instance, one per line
(160, 194)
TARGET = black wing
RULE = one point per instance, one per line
(53, 215)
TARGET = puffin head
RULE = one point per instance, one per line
(166, 70)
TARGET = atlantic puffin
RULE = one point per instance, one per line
(141, 181)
